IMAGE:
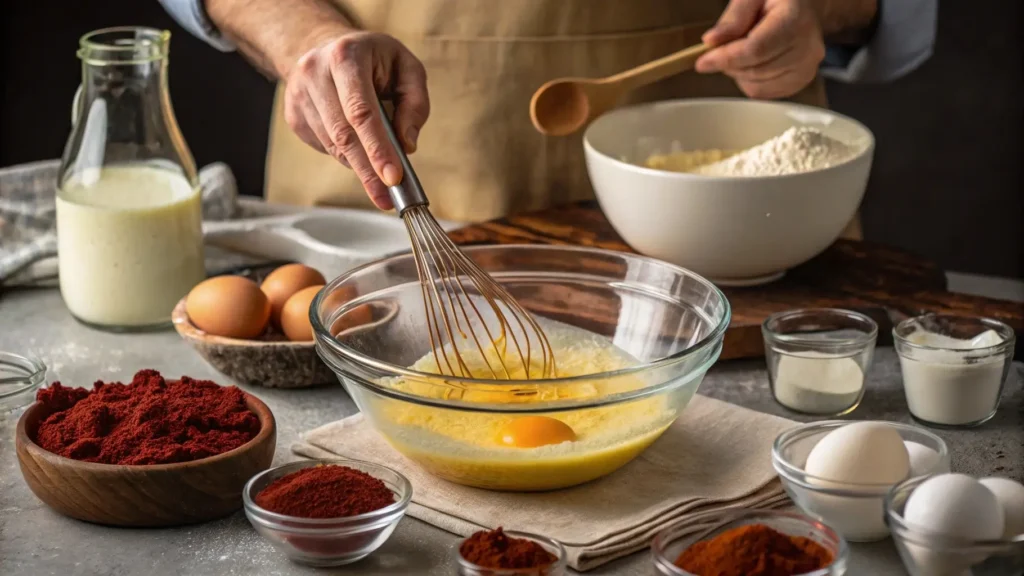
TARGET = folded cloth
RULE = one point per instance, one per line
(28, 235)
(714, 457)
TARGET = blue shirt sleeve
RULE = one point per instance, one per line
(191, 15)
(902, 42)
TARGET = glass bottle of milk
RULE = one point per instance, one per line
(129, 208)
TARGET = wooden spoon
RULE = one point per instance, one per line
(563, 106)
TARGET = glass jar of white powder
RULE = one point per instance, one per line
(818, 358)
(954, 367)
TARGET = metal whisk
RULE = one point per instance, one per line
(466, 309)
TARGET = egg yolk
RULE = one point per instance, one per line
(533, 431)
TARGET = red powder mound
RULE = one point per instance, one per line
(495, 549)
(149, 421)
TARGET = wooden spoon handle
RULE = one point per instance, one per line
(658, 69)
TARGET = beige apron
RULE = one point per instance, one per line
(479, 156)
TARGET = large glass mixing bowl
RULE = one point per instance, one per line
(370, 327)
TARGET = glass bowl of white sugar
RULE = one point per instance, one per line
(818, 359)
(954, 367)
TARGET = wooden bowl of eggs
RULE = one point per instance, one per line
(258, 334)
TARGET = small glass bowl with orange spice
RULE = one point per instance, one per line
(510, 553)
(731, 542)
(336, 511)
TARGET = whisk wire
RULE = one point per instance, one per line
(451, 279)
(450, 282)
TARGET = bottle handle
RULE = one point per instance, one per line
(75, 103)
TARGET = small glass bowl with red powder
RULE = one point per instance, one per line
(510, 553)
(791, 537)
(372, 498)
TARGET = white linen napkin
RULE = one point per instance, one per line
(715, 456)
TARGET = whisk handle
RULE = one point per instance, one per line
(408, 192)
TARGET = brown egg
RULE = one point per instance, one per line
(284, 282)
(229, 306)
(295, 315)
(356, 317)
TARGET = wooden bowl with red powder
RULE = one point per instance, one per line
(192, 488)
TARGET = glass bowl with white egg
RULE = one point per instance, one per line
(840, 472)
(954, 367)
(632, 339)
(818, 359)
(956, 525)
(672, 541)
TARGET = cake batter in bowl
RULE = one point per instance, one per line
(632, 339)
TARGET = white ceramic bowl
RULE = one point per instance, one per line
(740, 230)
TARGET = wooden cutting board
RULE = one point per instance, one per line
(885, 283)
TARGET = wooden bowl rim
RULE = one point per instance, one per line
(183, 324)
(268, 427)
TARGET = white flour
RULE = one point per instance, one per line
(944, 387)
(816, 383)
(795, 150)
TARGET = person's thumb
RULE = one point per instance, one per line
(736, 20)
(412, 102)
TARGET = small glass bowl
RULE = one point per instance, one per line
(670, 543)
(855, 510)
(20, 377)
(947, 386)
(467, 568)
(325, 542)
(926, 554)
(821, 347)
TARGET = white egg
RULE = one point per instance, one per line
(955, 505)
(1010, 495)
(862, 452)
(923, 460)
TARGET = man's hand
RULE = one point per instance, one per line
(771, 48)
(331, 104)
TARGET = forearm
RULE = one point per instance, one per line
(846, 21)
(273, 34)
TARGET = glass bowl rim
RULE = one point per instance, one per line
(30, 370)
(358, 522)
(861, 340)
(902, 529)
(1001, 328)
(666, 535)
(791, 473)
(325, 339)
(560, 552)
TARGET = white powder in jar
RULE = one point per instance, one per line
(944, 387)
(800, 149)
(817, 383)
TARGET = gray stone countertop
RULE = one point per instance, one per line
(35, 540)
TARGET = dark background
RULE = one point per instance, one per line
(947, 179)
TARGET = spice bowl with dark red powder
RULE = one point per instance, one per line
(750, 543)
(152, 452)
(340, 511)
(510, 553)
